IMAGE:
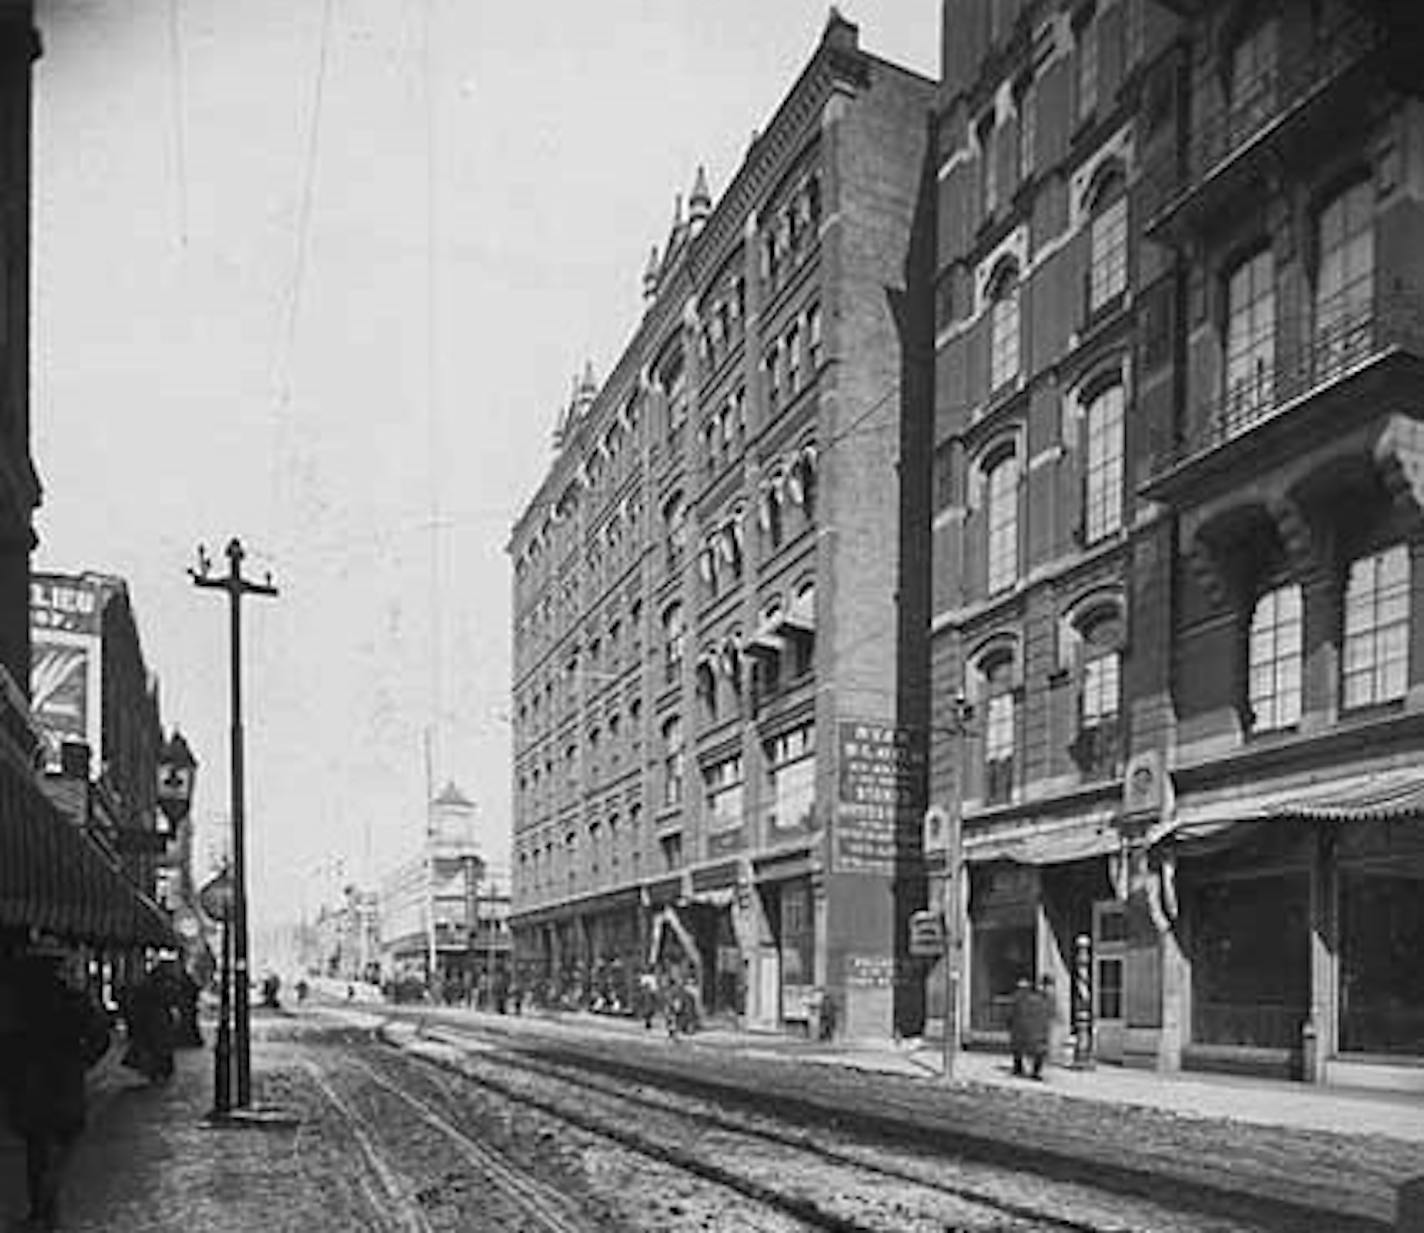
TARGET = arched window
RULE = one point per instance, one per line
(1274, 659)
(1102, 469)
(1000, 726)
(1107, 240)
(1375, 650)
(1004, 326)
(1345, 277)
(1001, 500)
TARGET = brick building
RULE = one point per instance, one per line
(1281, 369)
(1037, 282)
(719, 594)
(1176, 654)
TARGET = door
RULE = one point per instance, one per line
(1109, 955)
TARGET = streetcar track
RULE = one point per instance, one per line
(394, 1199)
(806, 1210)
(1280, 1207)
(798, 1142)
(546, 1203)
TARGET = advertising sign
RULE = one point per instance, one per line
(64, 690)
(881, 795)
(65, 661)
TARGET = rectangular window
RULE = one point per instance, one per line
(791, 759)
(1102, 514)
(792, 347)
(1344, 285)
(1375, 652)
(1275, 659)
(1107, 243)
(999, 748)
(989, 160)
(1250, 339)
(1028, 130)
(1253, 81)
(673, 755)
(724, 794)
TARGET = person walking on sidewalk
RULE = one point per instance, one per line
(52, 1034)
(151, 1014)
(1030, 1017)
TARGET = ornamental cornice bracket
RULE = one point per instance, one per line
(1296, 535)
(1399, 458)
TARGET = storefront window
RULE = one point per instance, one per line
(1251, 962)
(1381, 975)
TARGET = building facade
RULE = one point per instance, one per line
(1037, 285)
(428, 907)
(1282, 356)
(720, 599)
(1176, 650)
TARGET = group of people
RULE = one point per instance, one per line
(668, 995)
(1031, 1025)
(53, 1029)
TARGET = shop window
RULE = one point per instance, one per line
(1251, 962)
(1375, 650)
(1274, 658)
(1381, 939)
(1103, 467)
(1345, 278)
(1250, 338)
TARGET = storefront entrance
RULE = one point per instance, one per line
(1109, 966)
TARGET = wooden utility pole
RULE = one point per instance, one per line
(237, 587)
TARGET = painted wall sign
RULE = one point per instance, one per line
(880, 796)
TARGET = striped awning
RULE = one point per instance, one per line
(1380, 796)
(56, 879)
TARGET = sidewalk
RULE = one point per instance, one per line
(149, 1161)
(1265, 1102)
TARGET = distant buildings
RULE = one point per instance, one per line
(441, 912)
(720, 605)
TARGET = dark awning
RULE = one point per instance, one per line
(54, 878)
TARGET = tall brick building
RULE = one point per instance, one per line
(1177, 660)
(1036, 444)
(719, 593)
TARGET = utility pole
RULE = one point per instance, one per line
(237, 587)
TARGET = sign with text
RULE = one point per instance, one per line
(61, 602)
(880, 797)
(64, 689)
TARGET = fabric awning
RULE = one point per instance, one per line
(1355, 798)
(1058, 844)
(54, 878)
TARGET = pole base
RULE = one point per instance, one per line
(252, 1117)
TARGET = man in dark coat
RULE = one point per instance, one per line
(1030, 1017)
(52, 1035)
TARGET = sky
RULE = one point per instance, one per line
(318, 274)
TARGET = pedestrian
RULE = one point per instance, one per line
(647, 997)
(151, 1017)
(1030, 1016)
(50, 1034)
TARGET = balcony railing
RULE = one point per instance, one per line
(1275, 95)
(1349, 333)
